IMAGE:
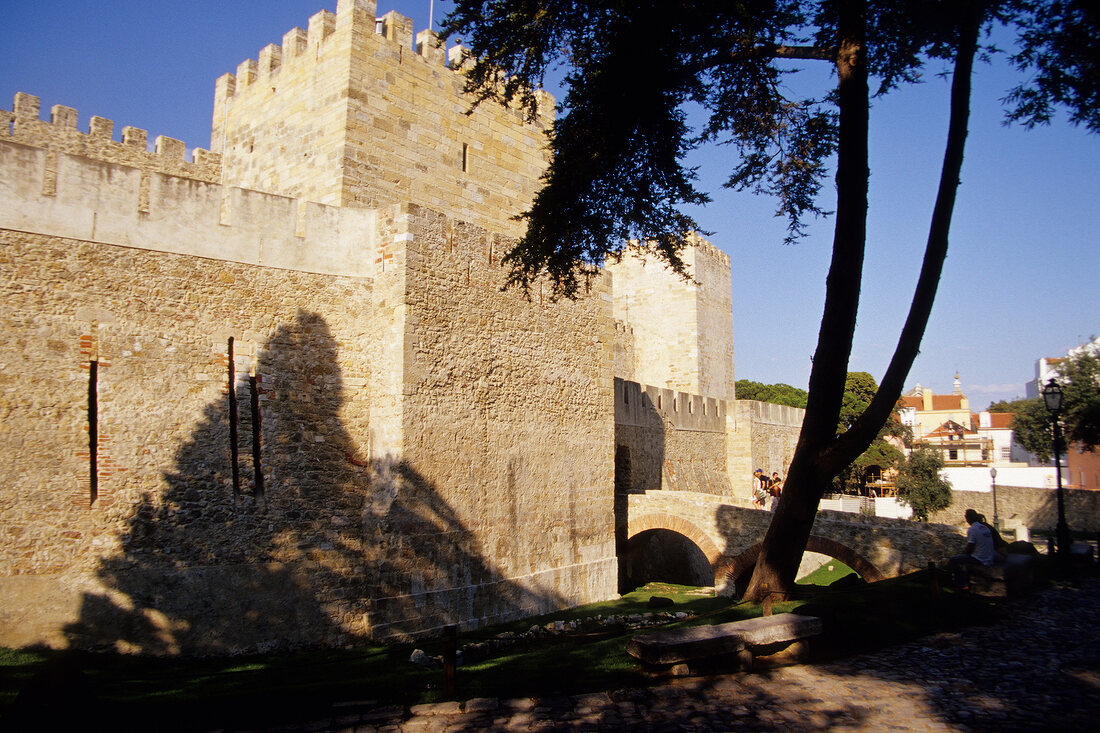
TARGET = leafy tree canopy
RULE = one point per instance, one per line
(859, 390)
(777, 394)
(1032, 428)
(920, 484)
(632, 68)
(1008, 405)
(1079, 378)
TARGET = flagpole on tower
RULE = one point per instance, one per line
(431, 10)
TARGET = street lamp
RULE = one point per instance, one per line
(993, 476)
(1052, 396)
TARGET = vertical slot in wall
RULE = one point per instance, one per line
(233, 424)
(253, 388)
(93, 431)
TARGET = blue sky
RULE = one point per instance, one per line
(1020, 281)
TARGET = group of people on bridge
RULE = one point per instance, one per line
(766, 491)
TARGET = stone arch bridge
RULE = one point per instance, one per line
(730, 536)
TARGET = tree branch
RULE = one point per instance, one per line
(771, 51)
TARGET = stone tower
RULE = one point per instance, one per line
(347, 113)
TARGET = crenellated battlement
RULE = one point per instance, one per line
(703, 246)
(305, 46)
(58, 194)
(60, 135)
(358, 110)
(642, 405)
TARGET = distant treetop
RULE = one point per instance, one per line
(777, 394)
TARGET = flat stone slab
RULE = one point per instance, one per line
(698, 642)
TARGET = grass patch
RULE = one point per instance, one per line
(828, 574)
(188, 694)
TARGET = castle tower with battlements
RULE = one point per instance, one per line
(275, 396)
(351, 113)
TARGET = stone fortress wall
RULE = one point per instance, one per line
(397, 399)
(283, 401)
(761, 435)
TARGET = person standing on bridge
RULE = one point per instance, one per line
(759, 488)
(979, 550)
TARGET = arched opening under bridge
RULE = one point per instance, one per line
(734, 573)
(663, 555)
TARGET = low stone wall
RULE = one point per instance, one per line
(1036, 509)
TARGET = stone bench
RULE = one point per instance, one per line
(780, 637)
(1014, 576)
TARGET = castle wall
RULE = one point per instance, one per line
(670, 440)
(761, 435)
(74, 196)
(431, 450)
(270, 397)
(351, 113)
(507, 422)
(625, 358)
(681, 331)
(715, 320)
(280, 123)
(61, 135)
(154, 549)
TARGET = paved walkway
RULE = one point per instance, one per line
(1039, 670)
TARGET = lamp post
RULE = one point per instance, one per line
(1052, 397)
(993, 476)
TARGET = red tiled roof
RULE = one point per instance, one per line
(939, 402)
(946, 402)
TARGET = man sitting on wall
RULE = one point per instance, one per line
(979, 550)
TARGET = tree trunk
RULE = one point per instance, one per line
(786, 538)
(820, 455)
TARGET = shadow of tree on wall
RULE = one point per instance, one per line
(334, 549)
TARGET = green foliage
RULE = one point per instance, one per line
(1060, 48)
(920, 484)
(1008, 405)
(1032, 428)
(633, 67)
(777, 394)
(859, 389)
(1079, 378)
(880, 454)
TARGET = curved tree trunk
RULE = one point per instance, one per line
(820, 454)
